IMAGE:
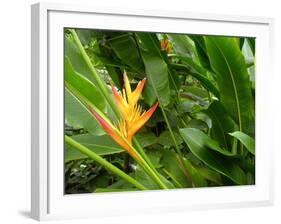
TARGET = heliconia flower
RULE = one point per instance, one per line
(165, 45)
(111, 131)
(133, 117)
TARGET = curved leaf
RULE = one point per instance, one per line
(205, 149)
(198, 73)
(233, 80)
(246, 140)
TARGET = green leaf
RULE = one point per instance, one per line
(240, 41)
(205, 149)
(156, 69)
(165, 139)
(75, 58)
(86, 35)
(197, 72)
(229, 64)
(197, 91)
(203, 139)
(189, 61)
(210, 175)
(198, 124)
(77, 116)
(222, 124)
(175, 170)
(196, 177)
(182, 44)
(201, 50)
(142, 177)
(252, 43)
(126, 49)
(188, 106)
(82, 88)
(101, 145)
(155, 157)
(146, 138)
(246, 140)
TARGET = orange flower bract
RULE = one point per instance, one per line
(133, 117)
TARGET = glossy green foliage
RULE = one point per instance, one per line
(202, 133)
(232, 77)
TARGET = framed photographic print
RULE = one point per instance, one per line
(147, 111)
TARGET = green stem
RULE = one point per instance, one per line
(170, 130)
(234, 146)
(142, 152)
(173, 178)
(95, 75)
(153, 174)
(103, 162)
(180, 155)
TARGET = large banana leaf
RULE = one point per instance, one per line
(156, 69)
(229, 64)
(205, 149)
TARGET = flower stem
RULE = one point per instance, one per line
(103, 162)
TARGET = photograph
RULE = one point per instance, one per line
(157, 111)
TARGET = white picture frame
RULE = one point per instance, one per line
(48, 200)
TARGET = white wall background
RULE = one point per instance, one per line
(15, 111)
